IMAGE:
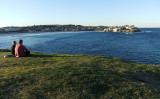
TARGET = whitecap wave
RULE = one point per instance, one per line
(8, 36)
(147, 31)
(128, 33)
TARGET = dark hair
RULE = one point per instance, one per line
(13, 42)
(20, 41)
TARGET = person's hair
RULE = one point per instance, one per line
(13, 42)
(20, 41)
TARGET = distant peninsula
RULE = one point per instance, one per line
(125, 28)
(70, 27)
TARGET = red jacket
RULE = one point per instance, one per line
(19, 50)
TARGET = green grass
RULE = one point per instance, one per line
(62, 76)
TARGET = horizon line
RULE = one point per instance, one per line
(76, 24)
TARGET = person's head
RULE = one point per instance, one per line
(20, 41)
(13, 42)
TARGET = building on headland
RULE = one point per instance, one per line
(125, 28)
(11, 29)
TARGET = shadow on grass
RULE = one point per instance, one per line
(149, 78)
(45, 55)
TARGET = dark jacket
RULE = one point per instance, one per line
(13, 49)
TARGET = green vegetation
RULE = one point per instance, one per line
(76, 76)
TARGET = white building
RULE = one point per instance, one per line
(107, 29)
(114, 30)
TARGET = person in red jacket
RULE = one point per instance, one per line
(21, 50)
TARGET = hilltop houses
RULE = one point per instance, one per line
(125, 28)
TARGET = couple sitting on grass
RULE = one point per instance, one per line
(19, 50)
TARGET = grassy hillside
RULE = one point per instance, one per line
(76, 76)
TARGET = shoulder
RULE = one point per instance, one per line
(17, 46)
(23, 45)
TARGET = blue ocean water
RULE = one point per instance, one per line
(143, 47)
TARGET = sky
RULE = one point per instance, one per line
(141, 13)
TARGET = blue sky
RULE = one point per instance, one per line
(142, 13)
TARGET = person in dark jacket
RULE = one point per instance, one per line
(13, 48)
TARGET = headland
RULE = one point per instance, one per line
(62, 28)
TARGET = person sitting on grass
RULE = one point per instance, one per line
(13, 48)
(21, 50)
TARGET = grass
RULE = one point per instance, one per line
(64, 76)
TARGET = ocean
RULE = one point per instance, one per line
(142, 47)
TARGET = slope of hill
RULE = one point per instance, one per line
(76, 76)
